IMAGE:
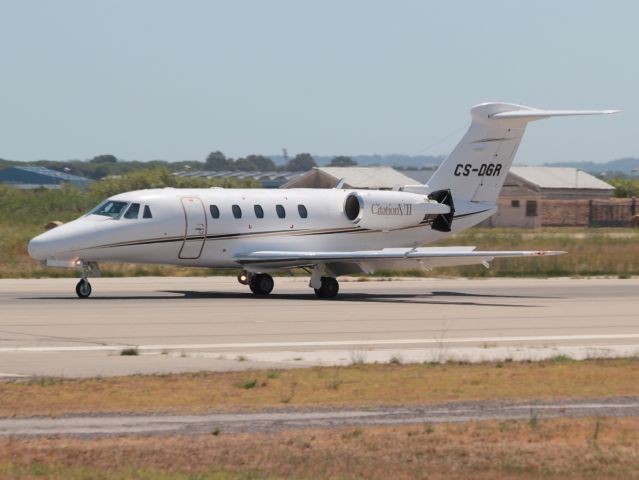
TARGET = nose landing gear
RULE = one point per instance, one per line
(83, 287)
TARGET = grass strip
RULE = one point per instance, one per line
(356, 385)
(602, 448)
(591, 252)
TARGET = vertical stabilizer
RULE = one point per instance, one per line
(478, 166)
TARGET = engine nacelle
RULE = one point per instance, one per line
(388, 210)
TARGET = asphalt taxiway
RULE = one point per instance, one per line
(271, 421)
(188, 324)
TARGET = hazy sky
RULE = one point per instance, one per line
(150, 79)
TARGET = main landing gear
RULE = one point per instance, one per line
(322, 281)
(259, 283)
(262, 283)
(329, 288)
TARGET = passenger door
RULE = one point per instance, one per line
(194, 228)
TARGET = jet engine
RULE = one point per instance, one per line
(389, 210)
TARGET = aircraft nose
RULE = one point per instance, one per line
(39, 247)
(48, 244)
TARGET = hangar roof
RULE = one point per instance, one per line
(354, 177)
(559, 177)
(39, 176)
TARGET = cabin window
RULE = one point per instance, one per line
(259, 211)
(280, 211)
(302, 211)
(215, 212)
(109, 208)
(237, 211)
(514, 203)
(133, 211)
(531, 208)
(147, 212)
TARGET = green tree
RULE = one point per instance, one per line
(262, 163)
(301, 163)
(342, 161)
(244, 165)
(625, 187)
(217, 161)
(106, 158)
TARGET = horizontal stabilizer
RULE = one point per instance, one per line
(477, 168)
(539, 114)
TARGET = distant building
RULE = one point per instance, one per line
(39, 177)
(383, 178)
(266, 179)
(419, 175)
(542, 196)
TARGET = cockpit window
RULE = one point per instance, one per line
(147, 212)
(133, 211)
(109, 208)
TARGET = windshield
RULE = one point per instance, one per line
(109, 208)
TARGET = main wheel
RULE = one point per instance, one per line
(329, 288)
(83, 289)
(261, 284)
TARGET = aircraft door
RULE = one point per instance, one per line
(195, 227)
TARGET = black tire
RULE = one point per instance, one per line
(329, 288)
(83, 289)
(261, 284)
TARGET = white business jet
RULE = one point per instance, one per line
(327, 232)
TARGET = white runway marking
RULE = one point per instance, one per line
(12, 375)
(337, 343)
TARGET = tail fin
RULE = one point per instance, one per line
(478, 166)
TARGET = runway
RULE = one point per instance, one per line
(190, 324)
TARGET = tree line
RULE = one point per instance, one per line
(217, 161)
(106, 165)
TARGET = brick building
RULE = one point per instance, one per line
(544, 196)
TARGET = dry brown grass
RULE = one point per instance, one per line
(354, 385)
(555, 449)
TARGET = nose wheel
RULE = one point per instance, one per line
(83, 288)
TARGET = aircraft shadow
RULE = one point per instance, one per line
(431, 298)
